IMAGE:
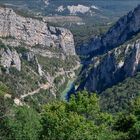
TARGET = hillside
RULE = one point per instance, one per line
(111, 62)
(35, 56)
(112, 70)
(57, 84)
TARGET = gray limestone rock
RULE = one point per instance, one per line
(10, 58)
(112, 68)
(32, 31)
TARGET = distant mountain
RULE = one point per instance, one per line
(88, 8)
(121, 31)
(115, 56)
(85, 18)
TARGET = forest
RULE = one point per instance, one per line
(79, 118)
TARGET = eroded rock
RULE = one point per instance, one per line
(10, 58)
(32, 31)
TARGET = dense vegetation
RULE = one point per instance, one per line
(28, 79)
(119, 97)
(80, 118)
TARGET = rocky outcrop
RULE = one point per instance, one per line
(10, 58)
(31, 57)
(33, 32)
(123, 30)
(39, 68)
(113, 67)
(63, 38)
(78, 9)
(46, 2)
(132, 62)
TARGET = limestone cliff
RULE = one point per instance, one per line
(111, 68)
(35, 59)
(32, 32)
(10, 58)
(113, 56)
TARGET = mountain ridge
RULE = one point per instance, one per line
(118, 55)
(121, 31)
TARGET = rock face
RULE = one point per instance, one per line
(63, 38)
(78, 9)
(113, 57)
(35, 56)
(123, 30)
(33, 32)
(10, 58)
(112, 68)
(31, 57)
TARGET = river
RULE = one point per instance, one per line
(68, 91)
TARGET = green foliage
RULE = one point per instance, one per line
(37, 100)
(2, 45)
(23, 123)
(119, 97)
(84, 33)
(79, 119)
(60, 124)
(27, 14)
(25, 80)
(129, 123)
(21, 49)
(134, 132)
(5, 106)
(3, 89)
(53, 65)
(4, 102)
(85, 104)
(124, 122)
(7, 37)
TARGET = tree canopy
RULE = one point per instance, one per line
(80, 118)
